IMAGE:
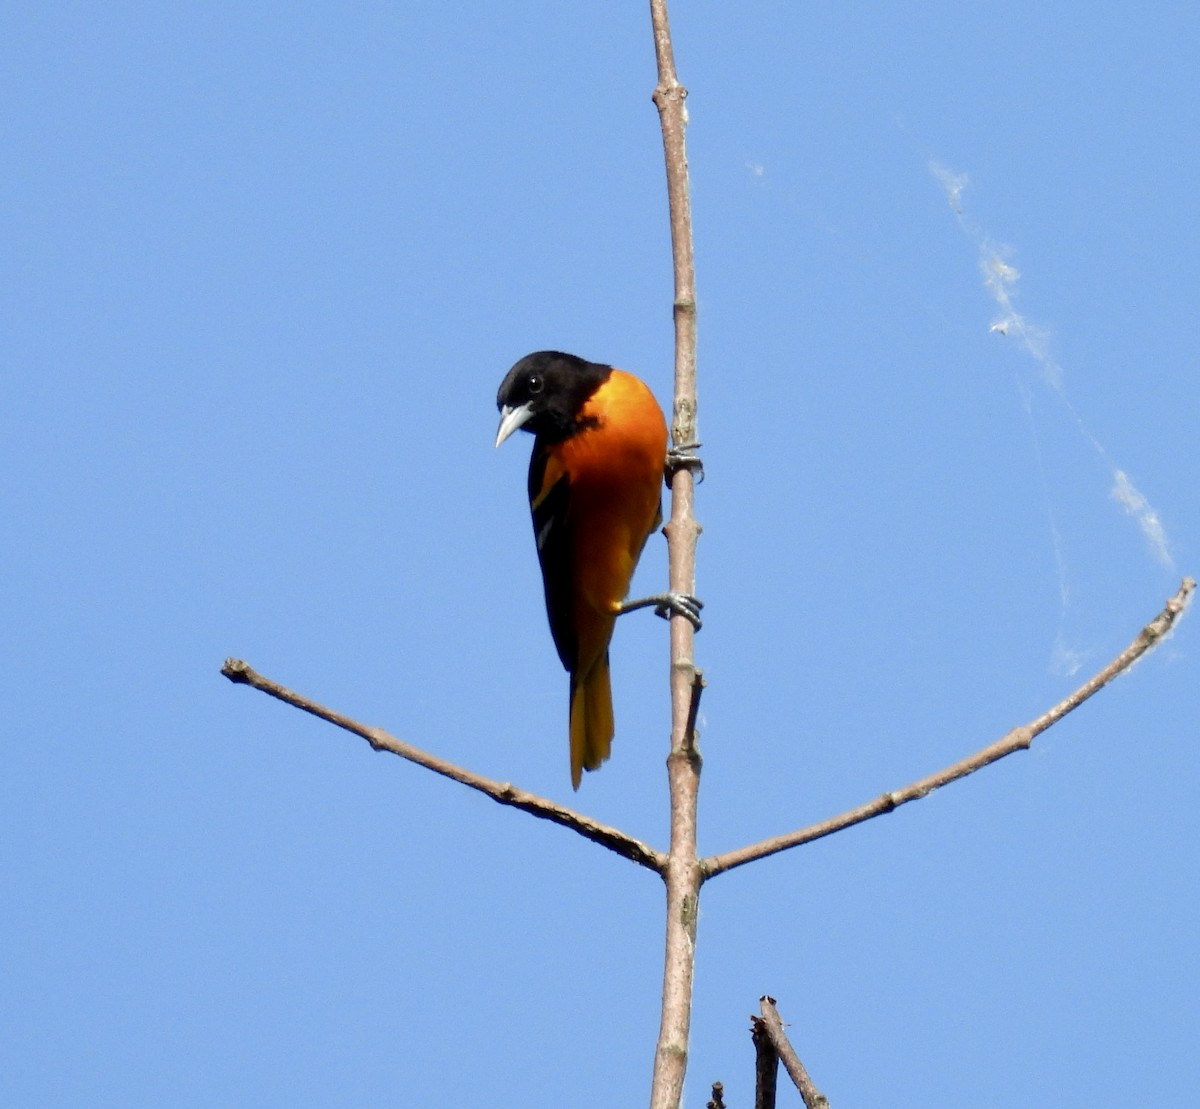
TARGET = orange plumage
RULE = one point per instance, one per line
(595, 481)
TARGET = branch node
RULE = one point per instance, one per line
(688, 754)
(667, 92)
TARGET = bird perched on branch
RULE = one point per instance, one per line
(595, 494)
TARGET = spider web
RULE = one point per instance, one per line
(1000, 279)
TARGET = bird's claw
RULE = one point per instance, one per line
(667, 605)
(680, 604)
(684, 457)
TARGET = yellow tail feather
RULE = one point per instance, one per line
(591, 720)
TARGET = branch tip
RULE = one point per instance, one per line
(237, 671)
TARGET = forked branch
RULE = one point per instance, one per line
(1017, 740)
(643, 854)
(770, 1026)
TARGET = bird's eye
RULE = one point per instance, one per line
(536, 384)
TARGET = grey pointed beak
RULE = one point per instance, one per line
(511, 419)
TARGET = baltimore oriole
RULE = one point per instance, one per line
(594, 491)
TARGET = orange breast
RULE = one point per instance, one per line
(616, 474)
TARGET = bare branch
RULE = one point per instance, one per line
(773, 1025)
(682, 873)
(503, 793)
(1017, 740)
(766, 1065)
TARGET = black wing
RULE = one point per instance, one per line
(549, 503)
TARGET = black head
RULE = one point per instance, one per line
(544, 393)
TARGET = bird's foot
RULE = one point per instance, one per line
(667, 605)
(684, 457)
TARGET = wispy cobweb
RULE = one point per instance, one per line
(1136, 505)
(1000, 278)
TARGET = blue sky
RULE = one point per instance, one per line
(265, 267)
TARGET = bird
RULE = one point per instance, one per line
(595, 478)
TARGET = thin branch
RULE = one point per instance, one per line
(766, 1065)
(503, 793)
(813, 1098)
(1017, 740)
(682, 874)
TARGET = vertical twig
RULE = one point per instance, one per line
(682, 873)
(772, 1024)
(766, 1065)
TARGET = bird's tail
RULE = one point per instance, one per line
(591, 719)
